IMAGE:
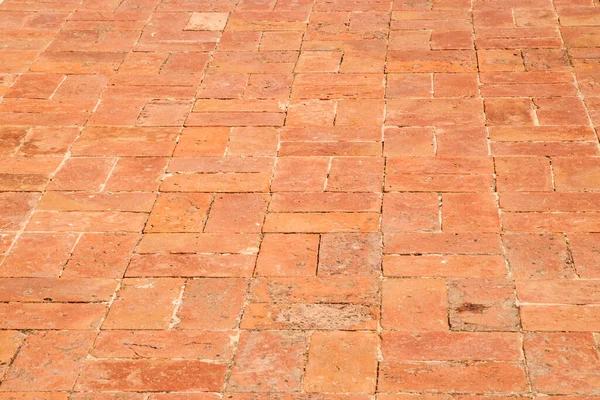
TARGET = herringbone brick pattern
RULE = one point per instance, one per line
(299, 199)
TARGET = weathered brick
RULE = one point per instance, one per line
(64, 350)
(101, 255)
(59, 290)
(179, 212)
(333, 289)
(321, 222)
(446, 376)
(342, 362)
(482, 305)
(533, 256)
(405, 302)
(349, 254)
(144, 304)
(288, 255)
(189, 344)
(255, 368)
(466, 212)
(310, 316)
(447, 266)
(153, 375)
(191, 265)
(450, 346)
(212, 303)
(38, 255)
(562, 363)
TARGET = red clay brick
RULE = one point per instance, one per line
(500, 60)
(356, 174)
(202, 142)
(237, 213)
(310, 316)
(550, 222)
(438, 112)
(87, 221)
(526, 84)
(321, 222)
(319, 61)
(560, 317)
(300, 174)
(562, 363)
(509, 111)
(560, 111)
(253, 141)
(539, 133)
(195, 188)
(38, 255)
(342, 362)
(198, 243)
(464, 377)
(405, 302)
(409, 142)
(324, 202)
(330, 149)
(334, 289)
(531, 174)
(144, 304)
(269, 362)
(219, 182)
(94, 201)
(448, 174)
(288, 255)
(431, 61)
(482, 305)
(350, 254)
(139, 174)
(559, 292)
(455, 85)
(451, 346)
(470, 142)
(179, 212)
(576, 174)
(584, 248)
(359, 112)
(11, 342)
(217, 165)
(206, 345)
(448, 266)
(442, 243)
(118, 141)
(35, 86)
(152, 375)
(411, 212)
(268, 86)
(465, 212)
(15, 209)
(558, 202)
(54, 289)
(538, 256)
(191, 265)
(64, 350)
(48, 141)
(83, 174)
(67, 316)
(311, 113)
(212, 303)
(101, 255)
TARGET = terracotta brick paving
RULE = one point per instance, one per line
(299, 199)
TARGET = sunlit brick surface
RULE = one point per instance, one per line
(299, 199)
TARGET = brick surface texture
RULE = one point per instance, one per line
(299, 199)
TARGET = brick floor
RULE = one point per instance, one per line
(299, 199)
